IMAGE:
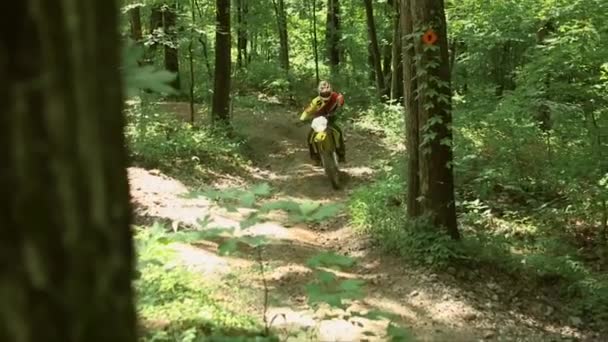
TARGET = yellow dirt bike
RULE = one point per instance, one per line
(324, 141)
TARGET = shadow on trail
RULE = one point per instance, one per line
(278, 147)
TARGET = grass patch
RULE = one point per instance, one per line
(518, 246)
(161, 140)
(174, 304)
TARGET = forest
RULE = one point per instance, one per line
(304, 170)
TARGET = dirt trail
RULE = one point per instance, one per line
(432, 307)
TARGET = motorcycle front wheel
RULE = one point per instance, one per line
(330, 164)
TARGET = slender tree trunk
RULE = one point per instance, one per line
(239, 23)
(279, 10)
(411, 112)
(333, 35)
(315, 41)
(156, 23)
(171, 51)
(371, 63)
(65, 246)
(135, 24)
(241, 17)
(203, 40)
(375, 50)
(221, 89)
(191, 59)
(397, 67)
(387, 64)
(156, 18)
(435, 116)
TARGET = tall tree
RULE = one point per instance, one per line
(65, 245)
(315, 41)
(279, 10)
(171, 46)
(434, 110)
(397, 67)
(221, 88)
(375, 49)
(191, 58)
(163, 19)
(411, 111)
(135, 23)
(333, 35)
(242, 10)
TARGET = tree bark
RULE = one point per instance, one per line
(435, 116)
(279, 10)
(315, 41)
(397, 67)
(333, 35)
(171, 51)
(156, 21)
(135, 24)
(191, 59)
(65, 247)
(375, 50)
(221, 89)
(411, 112)
(242, 34)
(203, 40)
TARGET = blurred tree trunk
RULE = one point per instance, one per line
(376, 58)
(242, 11)
(315, 41)
(397, 67)
(221, 88)
(171, 47)
(135, 24)
(279, 10)
(333, 35)
(65, 245)
(371, 63)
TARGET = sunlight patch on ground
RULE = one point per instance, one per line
(207, 262)
(394, 307)
(161, 196)
(447, 311)
(288, 272)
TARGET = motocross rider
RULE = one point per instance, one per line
(326, 104)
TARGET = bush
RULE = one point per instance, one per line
(161, 140)
(509, 245)
(169, 293)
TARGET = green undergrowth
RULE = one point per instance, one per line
(161, 140)
(188, 307)
(523, 246)
(175, 304)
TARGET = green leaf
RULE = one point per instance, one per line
(330, 259)
(353, 285)
(379, 314)
(309, 207)
(397, 333)
(261, 190)
(247, 199)
(163, 240)
(137, 77)
(250, 221)
(326, 277)
(325, 212)
(255, 241)
(288, 206)
(228, 247)
(205, 221)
